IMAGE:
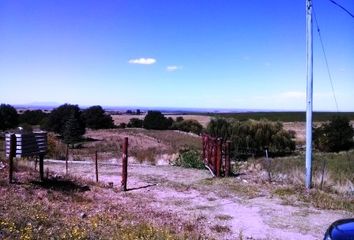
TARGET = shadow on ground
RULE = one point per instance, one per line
(63, 185)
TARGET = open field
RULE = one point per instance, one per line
(124, 118)
(165, 201)
(283, 116)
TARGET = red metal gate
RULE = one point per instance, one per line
(216, 155)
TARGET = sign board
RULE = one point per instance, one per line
(27, 144)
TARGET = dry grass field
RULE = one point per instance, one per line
(162, 202)
(124, 118)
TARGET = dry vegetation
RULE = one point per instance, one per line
(163, 202)
(124, 118)
(166, 202)
(70, 209)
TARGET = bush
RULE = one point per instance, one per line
(96, 118)
(190, 158)
(253, 136)
(135, 123)
(57, 119)
(34, 117)
(335, 136)
(8, 117)
(219, 127)
(188, 126)
(156, 120)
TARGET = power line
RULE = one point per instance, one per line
(343, 8)
(326, 61)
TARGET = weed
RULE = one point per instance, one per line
(220, 229)
(223, 217)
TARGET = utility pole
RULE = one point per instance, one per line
(309, 92)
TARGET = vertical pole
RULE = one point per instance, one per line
(96, 163)
(204, 146)
(209, 150)
(269, 167)
(227, 158)
(125, 165)
(12, 154)
(215, 155)
(309, 92)
(41, 167)
(66, 159)
(218, 156)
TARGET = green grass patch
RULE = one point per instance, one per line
(283, 116)
(316, 198)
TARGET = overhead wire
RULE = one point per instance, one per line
(326, 61)
(343, 8)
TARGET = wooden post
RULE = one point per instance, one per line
(218, 156)
(12, 154)
(209, 151)
(227, 158)
(96, 163)
(41, 167)
(125, 165)
(205, 147)
(215, 154)
(66, 159)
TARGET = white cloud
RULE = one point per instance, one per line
(145, 61)
(173, 68)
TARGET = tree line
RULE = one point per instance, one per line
(252, 135)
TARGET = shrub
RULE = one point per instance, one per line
(335, 136)
(135, 123)
(189, 158)
(219, 127)
(188, 126)
(253, 136)
(156, 120)
(96, 118)
(8, 117)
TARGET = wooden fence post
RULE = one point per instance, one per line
(12, 154)
(215, 154)
(227, 158)
(125, 165)
(67, 159)
(96, 163)
(41, 167)
(218, 156)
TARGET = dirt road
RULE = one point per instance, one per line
(221, 208)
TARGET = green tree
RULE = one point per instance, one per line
(335, 136)
(32, 117)
(72, 130)
(156, 120)
(59, 116)
(8, 117)
(219, 127)
(96, 118)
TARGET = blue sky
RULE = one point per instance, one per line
(173, 53)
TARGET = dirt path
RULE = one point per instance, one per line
(222, 208)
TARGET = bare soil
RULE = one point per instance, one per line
(229, 208)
